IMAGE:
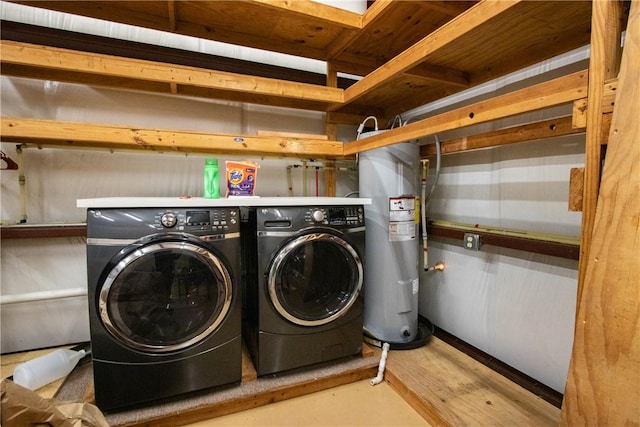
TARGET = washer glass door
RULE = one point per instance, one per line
(315, 279)
(165, 296)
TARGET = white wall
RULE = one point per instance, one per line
(517, 306)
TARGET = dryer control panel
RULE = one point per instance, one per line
(290, 219)
(335, 215)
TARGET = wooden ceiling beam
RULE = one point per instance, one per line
(345, 39)
(372, 15)
(447, 7)
(440, 74)
(431, 72)
(171, 10)
(318, 11)
(375, 12)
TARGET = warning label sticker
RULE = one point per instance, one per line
(402, 230)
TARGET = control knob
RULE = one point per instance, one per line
(169, 220)
(318, 215)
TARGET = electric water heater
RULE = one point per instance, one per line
(390, 176)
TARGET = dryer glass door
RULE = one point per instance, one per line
(315, 278)
(165, 296)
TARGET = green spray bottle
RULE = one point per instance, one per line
(211, 179)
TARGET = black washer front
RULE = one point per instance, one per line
(165, 295)
(164, 302)
(303, 279)
(315, 278)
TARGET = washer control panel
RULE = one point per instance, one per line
(193, 220)
(335, 215)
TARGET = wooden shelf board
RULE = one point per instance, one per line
(561, 126)
(514, 34)
(561, 90)
(38, 61)
(558, 91)
(73, 134)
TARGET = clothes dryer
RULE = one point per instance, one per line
(164, 302)
(303, 279)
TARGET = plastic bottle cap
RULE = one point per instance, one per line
(211, 162)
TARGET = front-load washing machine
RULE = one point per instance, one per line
(303, 284)
(164, 302)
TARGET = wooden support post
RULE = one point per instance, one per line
(331, 130)
(603, 387)
(603, 65)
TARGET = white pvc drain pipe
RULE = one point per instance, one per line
(383, 363)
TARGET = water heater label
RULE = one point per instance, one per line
(402, 219)
(402, 209)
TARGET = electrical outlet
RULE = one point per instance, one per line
(472, 241)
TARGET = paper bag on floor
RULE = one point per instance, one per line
(23, 407)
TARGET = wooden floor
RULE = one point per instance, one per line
(432, 385)
(448, 387)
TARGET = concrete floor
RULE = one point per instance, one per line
(355, 404)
